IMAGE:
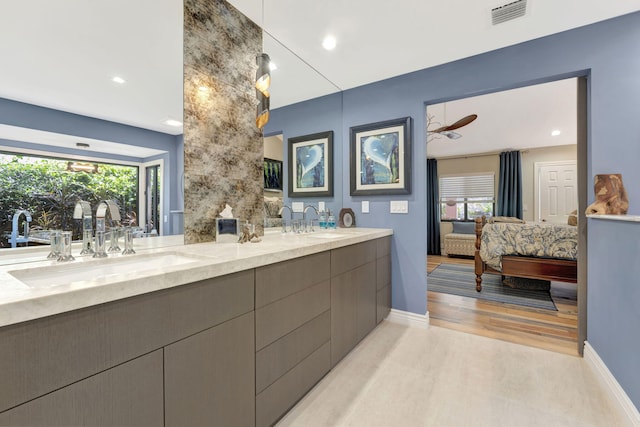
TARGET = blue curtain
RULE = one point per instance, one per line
(510, 185)
(433, 208)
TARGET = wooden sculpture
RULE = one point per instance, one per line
(611, 196)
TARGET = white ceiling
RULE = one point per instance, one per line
(517, 119)
(378, 39)
(62, 54)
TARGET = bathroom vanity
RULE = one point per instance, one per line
(204, 334)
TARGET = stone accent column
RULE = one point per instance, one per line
(223, 149)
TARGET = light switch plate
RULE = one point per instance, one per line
(365, 206)
(321, 206)
(399, 206)
(297, 206)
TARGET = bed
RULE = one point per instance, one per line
(533, 251)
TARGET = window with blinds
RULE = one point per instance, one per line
(466, 197)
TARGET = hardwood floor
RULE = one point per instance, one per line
(551, 330)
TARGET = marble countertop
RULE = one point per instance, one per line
(29, 290)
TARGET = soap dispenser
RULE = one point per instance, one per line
(322, 220)
(331, 221)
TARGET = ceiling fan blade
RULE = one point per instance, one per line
(440, 129)
(462, 122)
(457, 125)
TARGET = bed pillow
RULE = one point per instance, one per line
(464, 227)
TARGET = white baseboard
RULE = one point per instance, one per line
(409, 319)
(611, 385)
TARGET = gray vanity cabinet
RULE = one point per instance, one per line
(234, 350)
(353, 296)
(293, 332)
(209, 376)
(45, 361)
(128, 394)
(383, 278)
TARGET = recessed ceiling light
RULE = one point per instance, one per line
(555, 132)
(329, 43)
(172, 122)
(118, 79)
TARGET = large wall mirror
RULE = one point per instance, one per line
(58, 76)
(293, 81)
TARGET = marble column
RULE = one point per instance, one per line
(223, 149)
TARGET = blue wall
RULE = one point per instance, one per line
(608, 54)
(19, 114)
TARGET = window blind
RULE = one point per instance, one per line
(466, 186)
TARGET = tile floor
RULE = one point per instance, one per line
(401, 376)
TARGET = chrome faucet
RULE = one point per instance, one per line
(284, 223)
(15, 232)
(304, 216)
(101, 212)
(83, 211)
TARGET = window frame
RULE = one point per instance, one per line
(463, 195)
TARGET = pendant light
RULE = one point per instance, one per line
(263, 81)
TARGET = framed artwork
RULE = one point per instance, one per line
(381, 158)
(272, 174)
(310, 165)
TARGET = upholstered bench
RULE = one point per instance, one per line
(462, 241)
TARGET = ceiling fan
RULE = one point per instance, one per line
(447, 130)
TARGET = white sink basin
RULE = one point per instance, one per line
(107, 270)
(324, 235)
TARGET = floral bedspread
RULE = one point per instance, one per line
(532, 239)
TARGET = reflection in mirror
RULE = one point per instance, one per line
(47, 190)
(78, 92)
(59, 99)
(292, 81)
(273, 149)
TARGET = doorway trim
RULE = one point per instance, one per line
(582, 159)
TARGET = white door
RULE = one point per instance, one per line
(557, 191)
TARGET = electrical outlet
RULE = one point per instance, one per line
(399, 206)
(365, 206)
(321, 207)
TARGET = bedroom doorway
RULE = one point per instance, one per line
(560, 330)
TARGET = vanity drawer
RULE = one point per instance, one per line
(282, 395)
(276, 359)
(349, 257)
(277, 281)
(278, 319)
(128, 394)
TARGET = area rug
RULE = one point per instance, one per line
(461, 280)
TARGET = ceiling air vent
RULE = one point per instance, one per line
(508, 12)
